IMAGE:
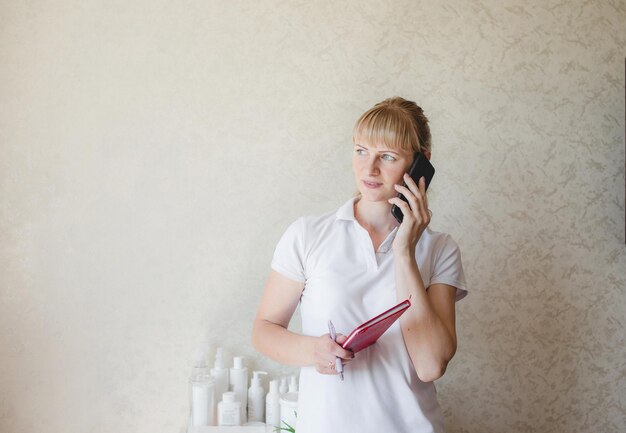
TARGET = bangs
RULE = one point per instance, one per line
(385, 126)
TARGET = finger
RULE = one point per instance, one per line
(404, 208)
(341, 338)
(426, 216)
(425, 213)
(326, 368)
(423, 190)
(421, 184)
(324, 350)
(410, 183)
(332, 367)
(421, 194)
(326, 365)
(348, 359)
(342, 353)
(330, 349)
(418, 189)
(412, 198)
(346, 355)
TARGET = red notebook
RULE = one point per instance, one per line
(370, 331)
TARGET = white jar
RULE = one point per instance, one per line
(289, 409)
(229, 410)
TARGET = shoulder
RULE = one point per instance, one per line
(444, 263)
(308, 223)
(316, 223)
(437, 242)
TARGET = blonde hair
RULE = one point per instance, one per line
(396, 123)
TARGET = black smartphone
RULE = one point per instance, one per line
(421, 167)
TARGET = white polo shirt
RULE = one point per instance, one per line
(346, 281)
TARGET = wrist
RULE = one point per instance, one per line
(309, 348)
(406, 262)
(404, 254)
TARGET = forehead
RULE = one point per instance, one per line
(383, 135)
(379, 146)
(374, 145)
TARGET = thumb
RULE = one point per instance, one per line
(341, 338)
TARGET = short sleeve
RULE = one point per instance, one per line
(448, 268)
(288, 257)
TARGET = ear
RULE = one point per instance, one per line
(427, 154)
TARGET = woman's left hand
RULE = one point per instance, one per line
(416, 215)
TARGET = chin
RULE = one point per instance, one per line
(375, 196)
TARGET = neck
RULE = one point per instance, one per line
(374, 216)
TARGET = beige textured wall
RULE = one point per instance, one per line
(152, 152)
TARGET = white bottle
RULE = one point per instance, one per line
(239, 384)
(256, 398)
(289, 410)
(229, 410)
(293, 385)
(202, 393)
(220, 375)
(272, 406)
(283, 386)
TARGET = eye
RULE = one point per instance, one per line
(359, 151)
(388, 157)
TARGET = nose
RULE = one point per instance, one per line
(372, 166)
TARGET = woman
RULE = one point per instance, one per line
(351, 264)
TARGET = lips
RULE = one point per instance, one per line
(372, 185)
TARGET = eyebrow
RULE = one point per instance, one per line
(380, 151)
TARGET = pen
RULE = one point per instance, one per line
(333, 335)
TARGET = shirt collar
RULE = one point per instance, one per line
(346, 211)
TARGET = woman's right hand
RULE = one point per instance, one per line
(326, 350)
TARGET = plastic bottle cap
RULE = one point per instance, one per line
(256, 379)
(238, 362)
(290, 399)
(201, 355)
(293, 385)
(228, 397)
(219, 358)
(274, 386)
(283, 385)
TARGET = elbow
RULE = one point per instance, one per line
(256, 343)
(431, 372)
(435, 367)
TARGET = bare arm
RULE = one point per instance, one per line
(428, 327)
(271, 337)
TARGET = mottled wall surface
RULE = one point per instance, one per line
(153, 152)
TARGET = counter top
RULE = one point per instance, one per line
(238, 429)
